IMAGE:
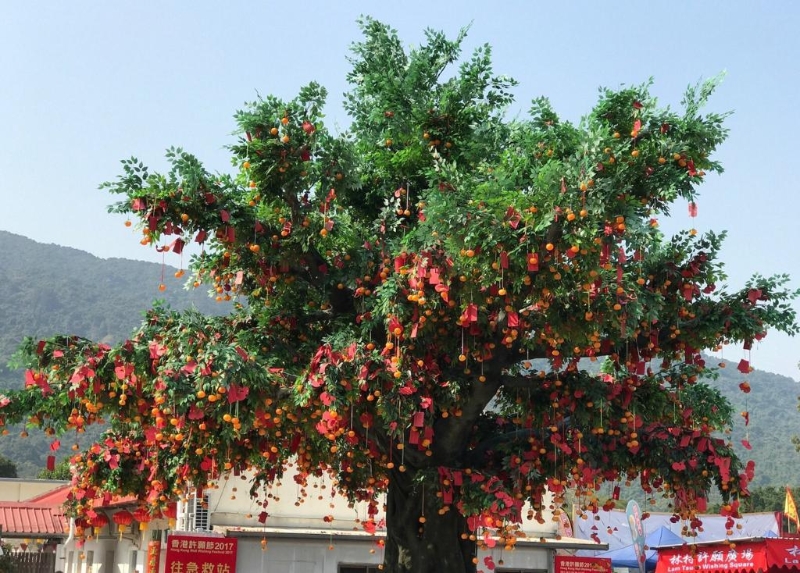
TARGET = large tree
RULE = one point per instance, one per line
(425, 295)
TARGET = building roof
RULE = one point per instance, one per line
(43, 515)
(57, 496)
(32, 520)
(116, 501)
(291, 532)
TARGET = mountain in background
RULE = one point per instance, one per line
(772, 408)
(50, 289)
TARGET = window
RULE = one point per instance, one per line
(358, 569)
(201, 521)
(108, 564)
(194, 516)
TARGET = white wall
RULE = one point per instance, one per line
(102, 548)
(17, 490)
(231, 507)
(324, 556)
(301, 556)
(230, 504)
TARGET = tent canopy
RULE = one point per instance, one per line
(626, 556)
(612, 527)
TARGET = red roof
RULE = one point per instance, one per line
(43, 516)
(32, 520)
(116, 501)
(57, 496)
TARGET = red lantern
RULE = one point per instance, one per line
(142, 515)
(171, 513)
(98, 521)
(123, 519)
(80, 525)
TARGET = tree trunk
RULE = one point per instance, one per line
(429, 545)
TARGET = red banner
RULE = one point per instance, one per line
(201, 553)
(783, 553)
(153, 557)
(764, 555)
(571, 564)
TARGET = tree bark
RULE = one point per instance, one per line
(433, 544)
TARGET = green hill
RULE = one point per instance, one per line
(48, 289)
(772, 406)
(51, 289)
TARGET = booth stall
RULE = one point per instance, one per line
(753, 555)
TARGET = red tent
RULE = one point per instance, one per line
(768, 555)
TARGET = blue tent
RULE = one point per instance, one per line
(626, 556)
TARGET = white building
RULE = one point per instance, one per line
(295, 538)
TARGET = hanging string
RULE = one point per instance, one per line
(161, 286)
(422, 515)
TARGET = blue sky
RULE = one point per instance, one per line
(85, 84)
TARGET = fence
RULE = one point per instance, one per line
(34, 562)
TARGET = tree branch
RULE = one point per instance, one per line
(453, 433)
(476, 457)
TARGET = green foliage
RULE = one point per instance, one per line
(8, 469)
(55, 289)
(60, 472)
(7, 562)
(402, 277)
(768, 498)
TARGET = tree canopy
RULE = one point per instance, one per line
(423, 295)
(8, 468)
